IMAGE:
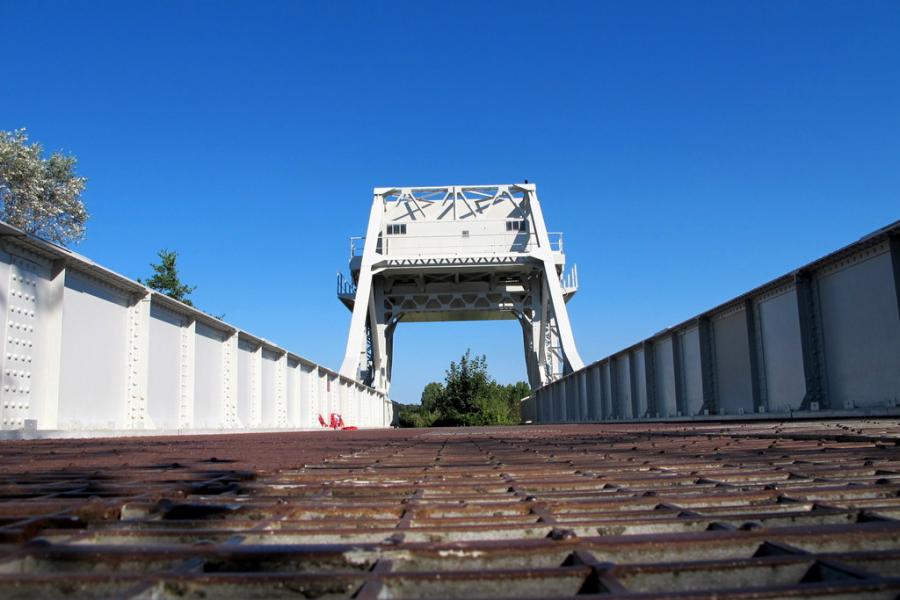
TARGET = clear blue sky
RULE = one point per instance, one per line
(689, 151)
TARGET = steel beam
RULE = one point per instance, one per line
(708, 366)
(811, 342)
(755, 353)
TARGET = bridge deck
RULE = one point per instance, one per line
(759, 510)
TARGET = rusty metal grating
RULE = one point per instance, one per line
(762, 510)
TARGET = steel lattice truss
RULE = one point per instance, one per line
(458, 202)
(458, 253)
(764, 510)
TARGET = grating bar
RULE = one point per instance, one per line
(731, 510)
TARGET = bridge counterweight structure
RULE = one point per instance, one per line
(458, 253)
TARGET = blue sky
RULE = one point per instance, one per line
(689, 151)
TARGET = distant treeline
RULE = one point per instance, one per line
(468, 396)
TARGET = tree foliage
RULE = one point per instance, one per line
(165, 278)
(468, 396)
(41, 196)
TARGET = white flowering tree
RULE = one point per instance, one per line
(40, 195)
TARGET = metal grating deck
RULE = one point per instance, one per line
(762, 510)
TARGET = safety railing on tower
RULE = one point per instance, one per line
(569, 280)
(345, 287)
(465, 242)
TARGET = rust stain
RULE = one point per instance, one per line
(731, 510)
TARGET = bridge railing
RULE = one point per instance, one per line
(824, 339)
(357, 245)
(345, 286)
(556, 240)
(429, 245)
(88, 350)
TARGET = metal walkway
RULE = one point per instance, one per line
(759, 510)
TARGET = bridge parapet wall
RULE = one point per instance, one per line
(824, 339)
(86, 350)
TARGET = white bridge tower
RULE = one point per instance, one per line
(458, 253)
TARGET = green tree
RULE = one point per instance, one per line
(465, 386)
(41, 196)
(432, 396)
(165, 278)
(468, 396)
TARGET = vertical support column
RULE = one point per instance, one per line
(545, 359)
(186, 378)
(531, 340)
(755, 353)
(324, 394)
(378, 330)
(356, 337)
(632, 384)
(350, 416)
(650, 379)
(573, 360)
(281, 399)
(305, 403)
(708, 367)
(230, 418)
(360, 406)
(46, 404)
(553, 396)
(894, 245)
(293, 394)
(337, 396)
(137, 415)
(572, 399)
(315, 402)
(31, 304)
(547, 404)
(810, 343)
(563, 389)
(615, 411)
(256, 388)
(681, 408)
(596, 386)
(543, 406)
(583, 395)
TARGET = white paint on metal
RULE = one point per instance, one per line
(458, 253)
(751, 358)
(86, 351)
